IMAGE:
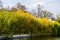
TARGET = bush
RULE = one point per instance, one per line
(45, 25)
(56, 30)
(19, 22)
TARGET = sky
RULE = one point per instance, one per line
(50, 5)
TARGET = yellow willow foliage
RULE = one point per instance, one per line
(28, 17)
(19, 22)
(57, 23)
(45, 22)
(27, 20)
(25, 15)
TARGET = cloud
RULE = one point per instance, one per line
(34, 5)
(33, 1)
(41, 3)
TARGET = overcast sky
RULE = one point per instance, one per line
(50, 5)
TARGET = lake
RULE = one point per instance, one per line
(40, 38)
(33, 38)
(45, 38)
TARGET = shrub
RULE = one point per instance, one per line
(46, 25)
(17, 23)
(56, 30)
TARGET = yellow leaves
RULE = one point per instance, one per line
(57, 24)
(45, 22)
(28, 17)
(21, 13)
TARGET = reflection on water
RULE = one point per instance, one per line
(46, 38)
(42, 38)
(34, 38)
(56, 38)
(39, 38)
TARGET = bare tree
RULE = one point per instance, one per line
(39, 10)
(13, 9)
(58, 17)
(33, 12)
(46, 14)
(19, 6)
